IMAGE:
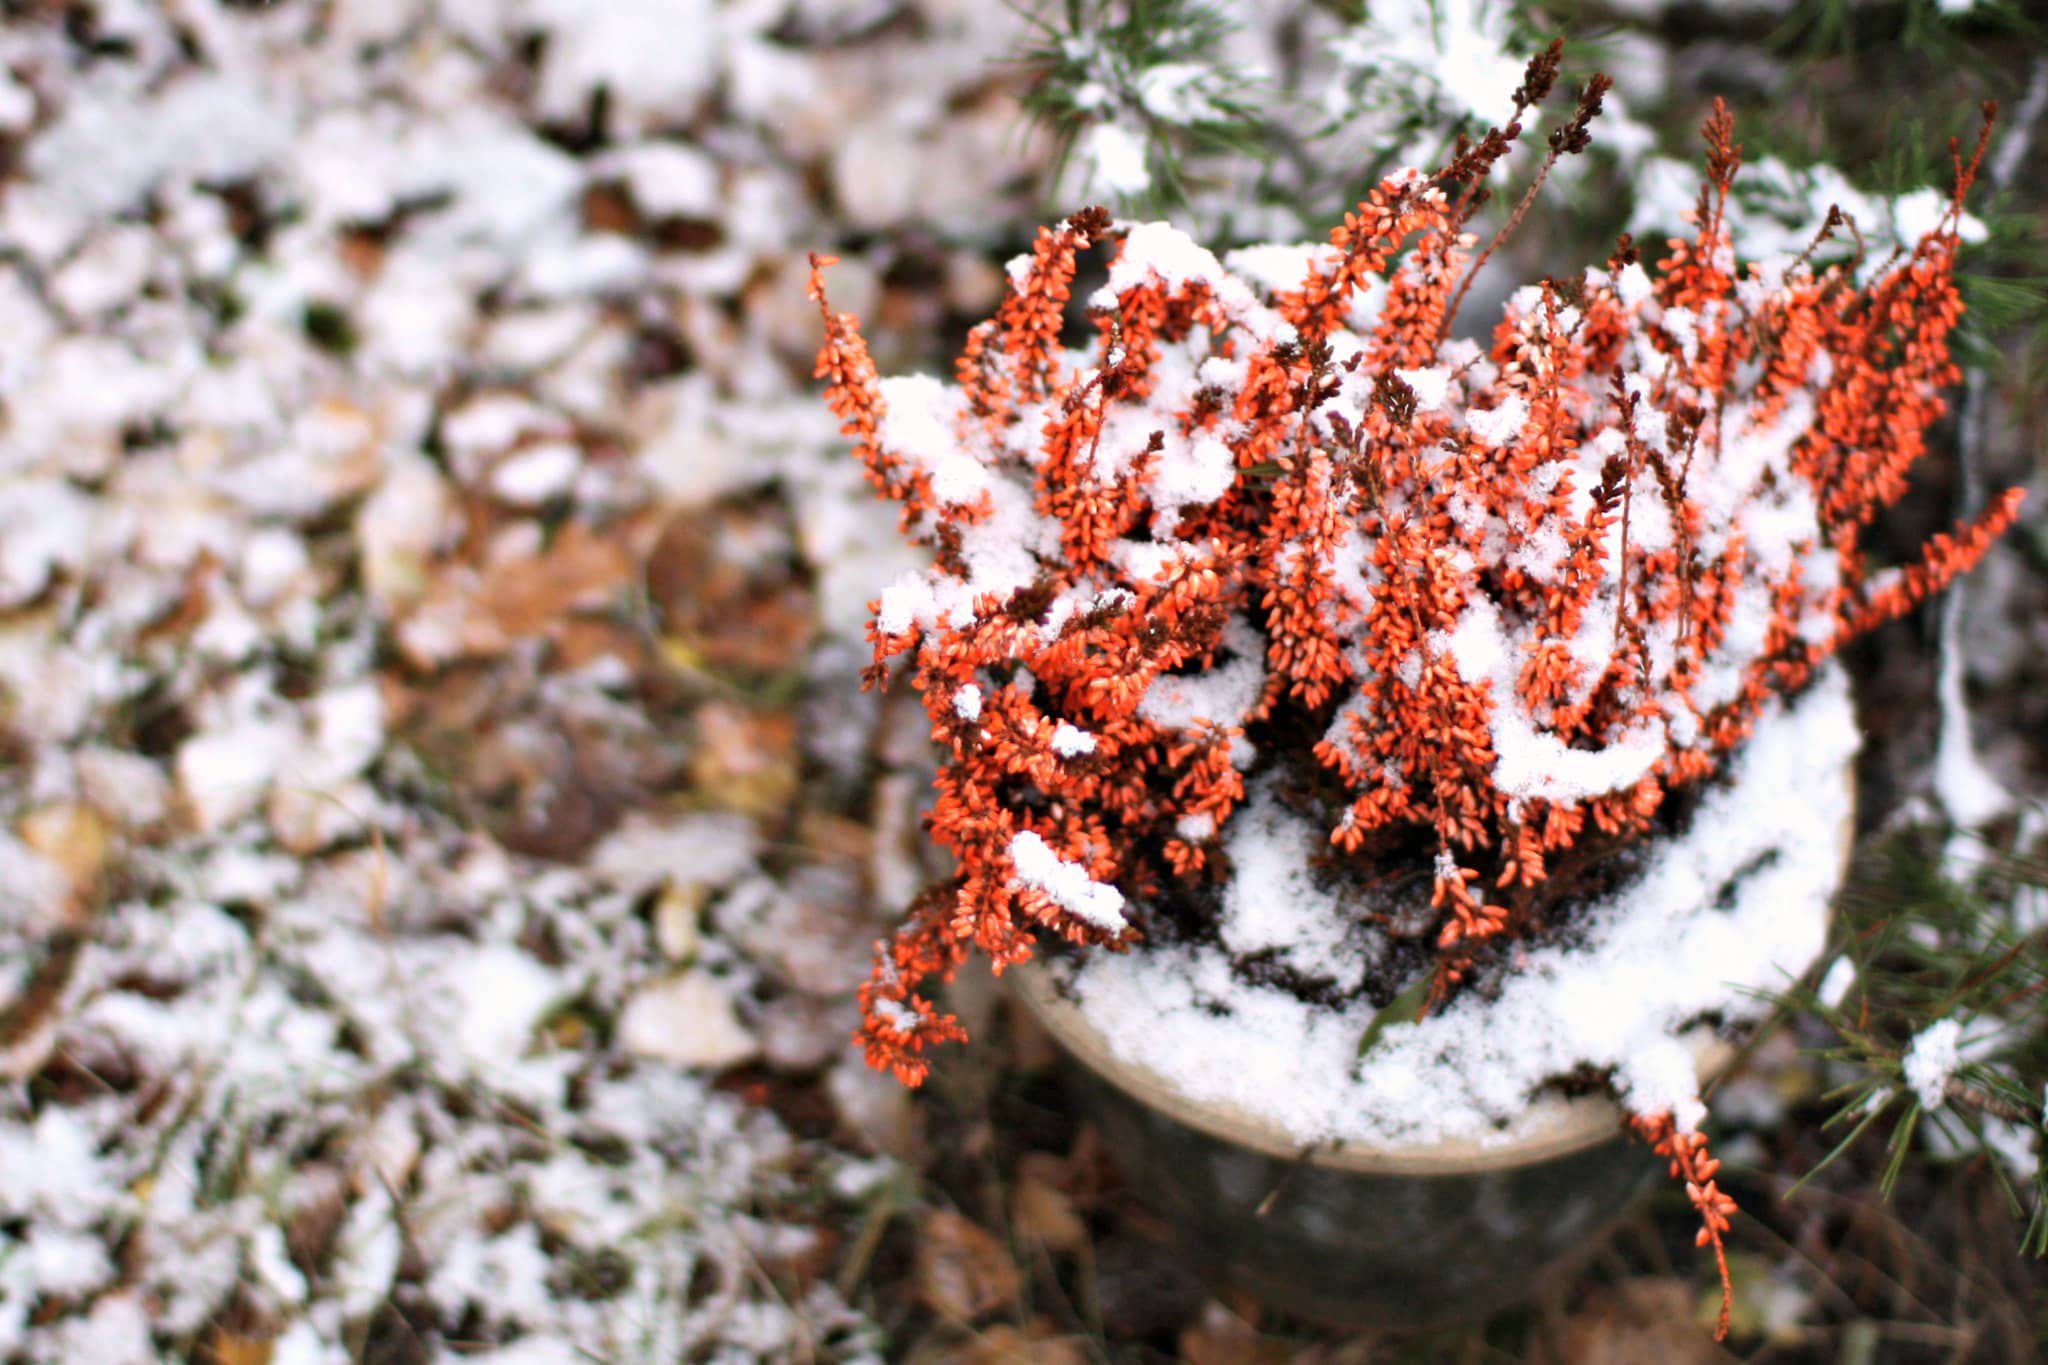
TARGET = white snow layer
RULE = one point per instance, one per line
(1655, 959)
(1931, 1059)
(1067, 883)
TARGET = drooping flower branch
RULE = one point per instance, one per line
(1494, 605)
(1693, 1168)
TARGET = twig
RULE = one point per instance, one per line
(1962, 1092)
(1566, 139)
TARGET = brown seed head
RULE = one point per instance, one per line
(1540, 76)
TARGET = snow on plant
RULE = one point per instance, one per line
(1256, 118)
(1933, 1007)
(1487, 609)
(1775, 205)
(1121, 85)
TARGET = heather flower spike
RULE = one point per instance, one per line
(1692, 1167)
(1488, 606)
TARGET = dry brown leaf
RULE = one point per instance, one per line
(232, 1348)
(581, 641)
(678, 917)
(1650, 1318)
(361, 252)
(835, 838)
(1041, 1206)
(30, 1017)
(801, 1033)
(537, 798)
(964, 1272)
(746, 760)
(1037, 1344)
(76, 838)
(725, 594)
(192, 604)
(581, 569)
(1221, 1337)
(1090, 1169)
(544, 780)
(607, 207)
(315, 1220)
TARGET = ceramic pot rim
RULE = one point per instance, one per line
(1555, 1127)
(1559, 1127)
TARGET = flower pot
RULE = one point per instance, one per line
(1401, 1233)
(1347, 1235)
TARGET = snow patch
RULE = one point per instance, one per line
(1657, 956)
(1067, 883)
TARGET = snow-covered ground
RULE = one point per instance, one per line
(419, 901)
(396, 844)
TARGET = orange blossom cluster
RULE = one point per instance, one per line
(1695, 1169)
(1509, 595)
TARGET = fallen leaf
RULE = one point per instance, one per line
(580, 569)
(835, 837)
(1221, 1337)
(1643, 1319)
(1039, 1343)
(678, 919)
(1089, 1167)
(543, 777)
(30, 1017)
(802, 1255)
(582, 641)
(725, 590)
(232, 1348)
(687, 1020)
(361, 252)
(186, 614)
(470, 613)
(816, 932)
(322, 1203)
(607, 207)
(400, 530)
(746, 760)
(76, 839)
(305, 821)
(964, 1272)
(1042, 1208)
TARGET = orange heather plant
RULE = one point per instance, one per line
(1494, 606)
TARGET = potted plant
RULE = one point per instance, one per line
(1440, 741)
